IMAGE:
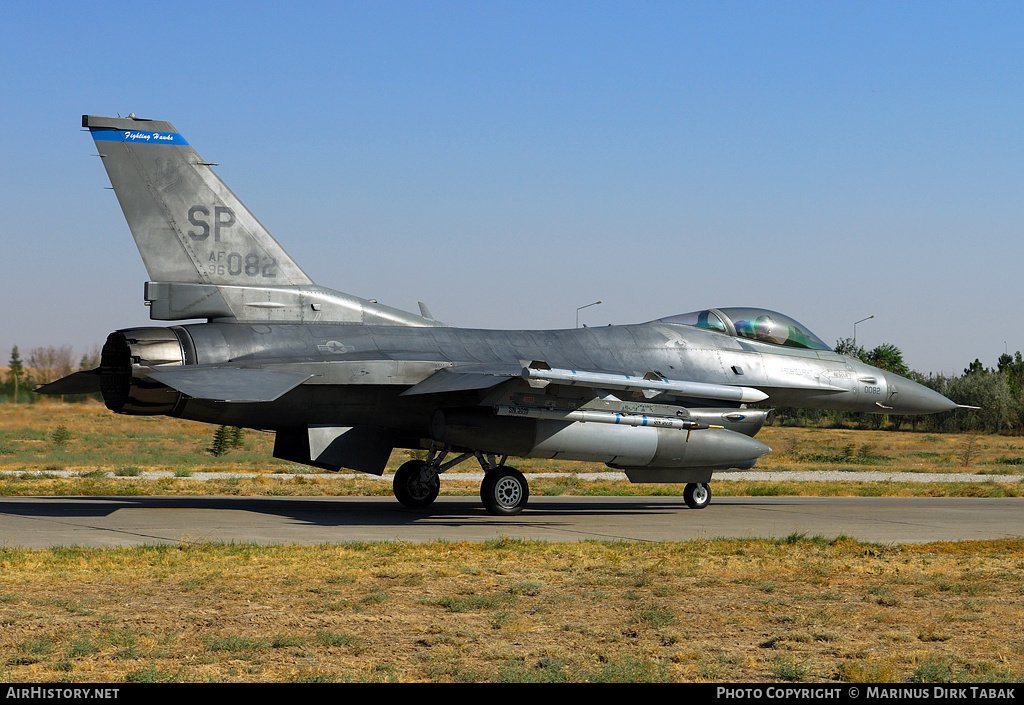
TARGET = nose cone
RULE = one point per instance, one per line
(914, 398)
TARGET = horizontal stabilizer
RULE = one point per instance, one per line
(83, 382)
(230, 384)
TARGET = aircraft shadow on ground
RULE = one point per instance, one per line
(342, 511)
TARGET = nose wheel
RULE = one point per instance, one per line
(697, 495)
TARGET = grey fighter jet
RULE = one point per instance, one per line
(343, 380)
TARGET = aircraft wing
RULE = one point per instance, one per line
(540, 374)
(229, 384)
(464, 377)
(257, 384)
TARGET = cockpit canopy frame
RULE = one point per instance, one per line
(758, 324)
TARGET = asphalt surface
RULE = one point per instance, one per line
(611, 476)
(44, 522)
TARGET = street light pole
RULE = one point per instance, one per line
(580, 309)
(855, 329)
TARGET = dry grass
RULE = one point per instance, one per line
(904, 451)
(798, 609)
(95, 438)
(89, 439)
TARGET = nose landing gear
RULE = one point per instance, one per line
(697, 495)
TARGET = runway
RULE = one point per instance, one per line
(45, 522)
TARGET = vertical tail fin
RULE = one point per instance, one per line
(189, 227)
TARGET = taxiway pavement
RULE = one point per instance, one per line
(44, 522)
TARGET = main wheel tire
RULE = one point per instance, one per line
(416, 484)
(697, 495)
(504, 491)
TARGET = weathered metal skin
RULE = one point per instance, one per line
(343, 380)
(360, 373)
(357, 356)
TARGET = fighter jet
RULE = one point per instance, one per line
(343, 380)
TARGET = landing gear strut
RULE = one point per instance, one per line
(697, 495)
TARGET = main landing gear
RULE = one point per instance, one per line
(504, 490)
(416, 484)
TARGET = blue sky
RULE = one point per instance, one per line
(509, 162)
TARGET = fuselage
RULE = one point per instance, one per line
(360, 371)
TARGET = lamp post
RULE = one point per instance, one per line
(580, 309)
(855, 329)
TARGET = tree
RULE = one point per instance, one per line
(988, 390)
(849, 347)
(1013, 368)
(51, 363)
(1007, 362)
(974, 368)
(91, 359)
(16, 370)
(225, 440)
(887, 357)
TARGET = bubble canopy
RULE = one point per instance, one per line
(754, 324)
